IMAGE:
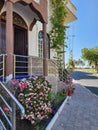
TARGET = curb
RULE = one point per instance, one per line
(50, 125)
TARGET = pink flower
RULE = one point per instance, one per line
(22, 86)
(14, 82)
(6, 109)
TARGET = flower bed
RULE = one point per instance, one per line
(56, 103)
(40, 104)
(35, 95)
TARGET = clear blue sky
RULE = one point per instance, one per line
(84, 29)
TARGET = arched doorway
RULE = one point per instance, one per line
(20, 39)
(20, 45)
(37, 11)
(20, 34)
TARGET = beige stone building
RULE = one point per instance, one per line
(24, 37)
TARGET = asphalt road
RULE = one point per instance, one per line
(87, 80)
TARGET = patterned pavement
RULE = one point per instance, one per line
(81, 113)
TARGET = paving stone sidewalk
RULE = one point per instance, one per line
(81, 113)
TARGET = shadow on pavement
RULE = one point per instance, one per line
(78, 75)
(93, 89)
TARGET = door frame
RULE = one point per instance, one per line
(26, 38)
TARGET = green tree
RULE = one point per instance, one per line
(71, 65)
(91, 55)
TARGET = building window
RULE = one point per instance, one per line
(48, 47)
(40, 45)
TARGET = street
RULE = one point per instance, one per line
(87, 80)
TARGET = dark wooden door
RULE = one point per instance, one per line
(20, 41)
(21, 48)
(2, 38)
(2, 44)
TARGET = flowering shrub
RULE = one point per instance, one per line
(68, 87)
(7, 111)
(34, 94)
(66, 77)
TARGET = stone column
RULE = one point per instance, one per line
(45, 62)
(9, 38)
